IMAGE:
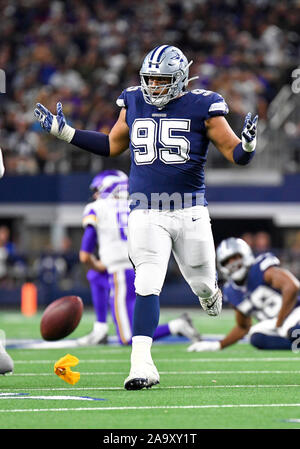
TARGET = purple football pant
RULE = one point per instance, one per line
(122, 301)
(100, 291)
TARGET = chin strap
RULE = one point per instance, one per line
(194, 77)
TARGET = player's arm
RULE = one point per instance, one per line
(111, 144)
(284, 281)
(91, 261)
(243, 324)
(88, 246)
(119, 135)
(238, 151)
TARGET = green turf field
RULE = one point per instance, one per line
(237, 388)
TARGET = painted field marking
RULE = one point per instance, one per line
(118, 373)
(10, 396)
(173, 387)
(198, 360)
(91, 349)
(154, 407)
(293, 420)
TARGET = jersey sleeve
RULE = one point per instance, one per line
(216, 106)
(89, 216)
(268, 260)
(128, 95)
(122, 100)
(89, 240)
(262, 263)
(209, 104)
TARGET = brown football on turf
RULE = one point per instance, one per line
(61, 318)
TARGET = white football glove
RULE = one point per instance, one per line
(249, 133)
(202, 346)
(54, 124)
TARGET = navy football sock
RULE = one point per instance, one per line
(146, 315)
(262, 341)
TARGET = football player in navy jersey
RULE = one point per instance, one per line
(167, 129)
(257, 288)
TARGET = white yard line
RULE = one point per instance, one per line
(116, 373)
(158, 407)
(174, 387)
(196, 360)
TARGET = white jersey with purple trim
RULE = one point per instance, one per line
(109, 217)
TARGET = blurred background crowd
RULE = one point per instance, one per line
(86, 52)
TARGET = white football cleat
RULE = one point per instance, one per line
(184, 326)
(99, 335)
(213, 304)
(6, 363)
(143, 376)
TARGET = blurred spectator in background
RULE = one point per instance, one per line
(291, 253)
(7, 250)
(249, 238)
(85, 53)
(57, 268)
(262, 243)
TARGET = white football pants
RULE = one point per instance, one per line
(153, 234)
(268, 327)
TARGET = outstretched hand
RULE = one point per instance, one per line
(249, 133)
(54, 124)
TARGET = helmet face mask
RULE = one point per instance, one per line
(169, 63)
(234, 268)
(234, 258)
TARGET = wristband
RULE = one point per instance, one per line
(66, 134)
(242, 157)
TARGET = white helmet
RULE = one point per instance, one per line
(238, 269)
(168, 62)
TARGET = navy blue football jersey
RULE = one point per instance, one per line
(257, 298)
(169, 146)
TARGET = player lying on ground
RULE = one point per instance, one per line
(6, 363)
(167, 129)
(112, 278)
(257, 288)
